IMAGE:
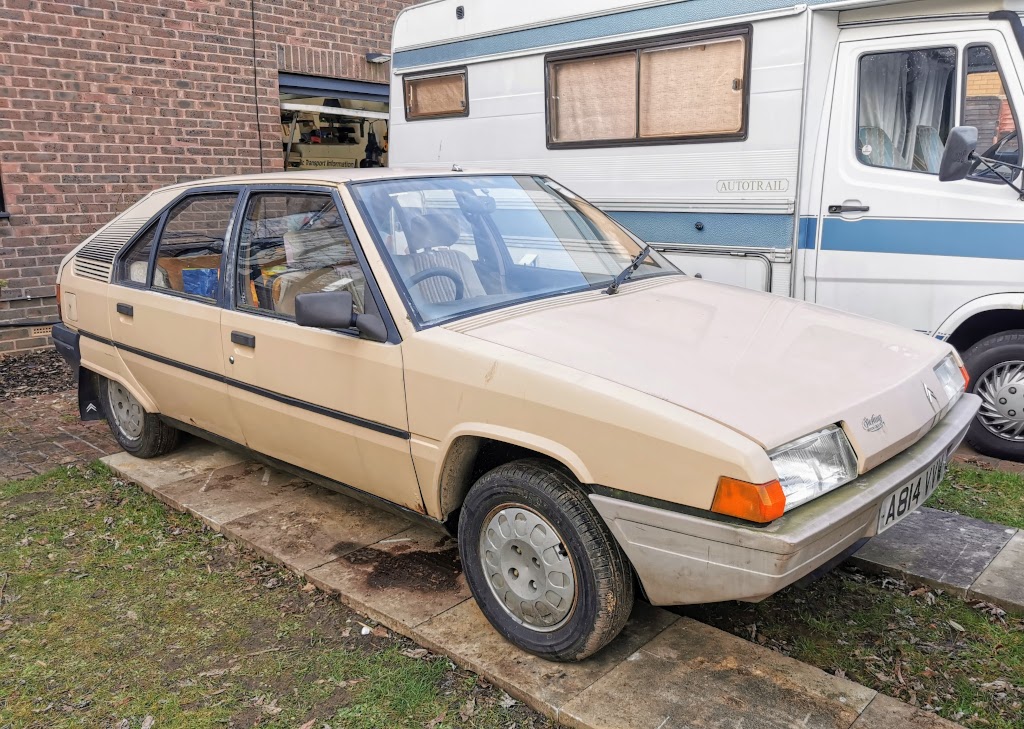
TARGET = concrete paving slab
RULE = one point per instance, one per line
(1002, 582)
(194, 458)
(401, 581)
(888, 713)
(224, 494)
(313, 526)
(464, 635)
(936, 548)
(693, 675)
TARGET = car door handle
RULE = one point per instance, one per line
(243, 339)
(126, 309)
(840, 209)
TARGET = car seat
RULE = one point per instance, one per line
(878, 146)
(430, 238)
(928, 149)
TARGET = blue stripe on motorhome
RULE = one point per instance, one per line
(628, 21)
(808, 233)
(718, 229)
(925, 237)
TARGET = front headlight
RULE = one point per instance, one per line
(813, 465)
(952, 378)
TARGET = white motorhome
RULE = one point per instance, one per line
(792, 148)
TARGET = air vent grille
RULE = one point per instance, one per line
(96, 258)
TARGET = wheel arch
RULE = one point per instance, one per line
(981, 318)
(475, 449)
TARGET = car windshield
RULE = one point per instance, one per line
(460, 245)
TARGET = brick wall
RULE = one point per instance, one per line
(103, 101)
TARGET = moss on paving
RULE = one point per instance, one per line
(114, 608)
(994, 496)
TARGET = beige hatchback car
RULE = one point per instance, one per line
(491, 353)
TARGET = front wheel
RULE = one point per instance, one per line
(541, 563)
(996, 367)
(140, 433)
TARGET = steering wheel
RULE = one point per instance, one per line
(991, 153)
(437, 271)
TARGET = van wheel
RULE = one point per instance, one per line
(541, 562)
(140, 433)
(996, 367)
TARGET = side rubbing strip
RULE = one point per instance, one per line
(276, 396)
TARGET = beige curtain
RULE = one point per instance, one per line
(692, 90)
(436, 96)
(594, 98)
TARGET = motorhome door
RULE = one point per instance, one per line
(893, 242)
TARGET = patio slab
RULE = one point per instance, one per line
(1002, 582)
(936, 548)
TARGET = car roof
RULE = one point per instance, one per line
(337, 176)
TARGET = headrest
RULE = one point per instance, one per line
(433, 230)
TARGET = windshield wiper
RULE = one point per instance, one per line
(629, 271)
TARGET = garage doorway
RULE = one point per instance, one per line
(329, 123)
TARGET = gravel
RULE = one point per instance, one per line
(34, 373)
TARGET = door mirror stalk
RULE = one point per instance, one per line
(336, 310)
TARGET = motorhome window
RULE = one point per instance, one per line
(987, 106)
(905, 108)
(683, 89)
(594, 99)
(672, 78)
(436, 96)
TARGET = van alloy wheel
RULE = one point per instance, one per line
(126, 410)
(1001, 389)
(528, 567)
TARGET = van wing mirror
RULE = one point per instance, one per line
(335, 310)
(959, 155)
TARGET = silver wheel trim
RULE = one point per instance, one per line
(126, 411)
(1001, 390)
(528, 568)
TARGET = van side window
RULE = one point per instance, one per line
(436, 96)
(988, 107)
(291, 244)
(689, 88)
(192, 243)
(134, 266)
(905, 108)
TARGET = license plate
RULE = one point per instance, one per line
(911, 495)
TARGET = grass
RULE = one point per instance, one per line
(114, 609)
(929, 649)
(993, 496)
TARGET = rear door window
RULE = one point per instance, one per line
(191, 245)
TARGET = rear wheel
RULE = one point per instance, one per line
(996, 367)
(138, 432)
(541, 563)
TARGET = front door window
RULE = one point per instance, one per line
(988, 107)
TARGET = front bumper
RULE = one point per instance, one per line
(685, 558)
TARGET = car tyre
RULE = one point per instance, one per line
(986, 363)
(528, 531)
(140, 433)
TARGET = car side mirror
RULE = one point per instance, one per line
(958, 156)
(336, 310)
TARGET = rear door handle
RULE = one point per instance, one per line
(243, 339)
(126, 309)
(840, 209)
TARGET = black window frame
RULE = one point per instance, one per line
(435, 73)
(373, 303)
(4, 213)
(745, 31)
(160, 221)
(1013, 109)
